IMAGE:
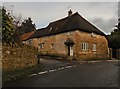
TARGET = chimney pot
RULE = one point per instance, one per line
(69, 13)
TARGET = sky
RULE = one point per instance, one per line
(104, 15)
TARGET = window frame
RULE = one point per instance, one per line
(52, 46)
(41, 45)
(85, 46)
(94, 47)
(68, 33)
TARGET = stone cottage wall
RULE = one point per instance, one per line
(100, 41)
(78, 37)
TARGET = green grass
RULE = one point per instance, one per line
(18, 74)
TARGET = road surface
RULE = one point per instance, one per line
(93, 74)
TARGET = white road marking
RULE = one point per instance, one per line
(32, 75)
(62, 68)
(43, 72)
(51, 70)
(68, 66)
(55, 69)
(59, 68)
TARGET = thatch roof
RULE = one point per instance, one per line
(69, 23)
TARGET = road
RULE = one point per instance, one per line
(93, 74)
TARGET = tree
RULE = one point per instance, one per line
(26, 26)
(17, 20)
(7, 28)
(0, 25)
(114, 41)
(114, 38)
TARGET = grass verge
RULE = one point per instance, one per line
(18, 74)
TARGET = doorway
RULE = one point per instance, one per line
(69, 43)
(70, 50)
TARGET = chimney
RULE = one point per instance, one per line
(69, 13)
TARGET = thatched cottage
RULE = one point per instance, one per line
(71, 36)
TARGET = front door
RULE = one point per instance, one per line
(70, 50)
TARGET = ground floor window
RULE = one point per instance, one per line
(41, 45)
(52, 46)
(94, 47)
(84, 46)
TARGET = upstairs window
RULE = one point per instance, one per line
(44, 39)
(84, 46)
(50, 29)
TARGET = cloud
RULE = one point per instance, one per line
(60, 0)
(105, 25)
(102, 14)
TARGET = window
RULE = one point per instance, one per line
(93, 34)
(51, 36)
(52, 46)
(41, 46)
(68, 33)
(94, 47)
(44, 38)
(84, 46)
(23, 42)
(30, 42)
(50, 29)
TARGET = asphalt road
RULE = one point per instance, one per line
(98, 74)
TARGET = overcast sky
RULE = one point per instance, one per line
(104, 15)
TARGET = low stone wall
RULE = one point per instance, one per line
(18, 57)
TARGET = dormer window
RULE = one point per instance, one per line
(68, 33)
(50, 29)
(93, 34)
(56, 28)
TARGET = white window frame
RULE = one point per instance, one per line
(84, 46)
(68, 33)
(23, 42)
(94, 47)
(93, 34)
(41, 46)
(52, 46)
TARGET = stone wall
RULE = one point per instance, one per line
(101, 45)
(18, 57)
(78, 37)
